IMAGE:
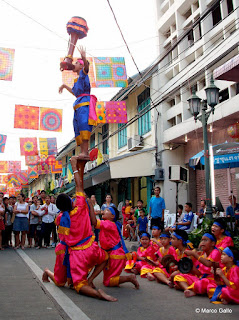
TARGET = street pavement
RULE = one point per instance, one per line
(23, 296)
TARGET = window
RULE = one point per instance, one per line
(105, 135)
(216, 15)
(122, 136)
(144, 122)
(92, 141)
(229, 6)
(74, 152)
(223, 95)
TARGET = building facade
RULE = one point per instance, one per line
(195, 37)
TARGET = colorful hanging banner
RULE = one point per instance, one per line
(48, 146)
(3, 179)
(110, 72)
(32, 160)
(116, 112)
(57, 167)
(3, 140)
(51, 119)
(14, 166)
(26, 117)
(100, 112)
(6, 63)
(28, 146)
(32, 172)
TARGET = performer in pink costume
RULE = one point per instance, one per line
(223, 237)
(112, 242)
(81, 252)
(226, 290)
(197, 284)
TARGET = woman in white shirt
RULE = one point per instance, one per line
(20, 223)
(48, 220)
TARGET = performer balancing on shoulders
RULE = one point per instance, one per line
(84, 106)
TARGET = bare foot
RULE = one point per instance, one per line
(134, 281)
(106, 297)
(189, 293)
(150, 277)
(224, 301)
(45, 276)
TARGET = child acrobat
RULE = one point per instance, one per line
(77, 251)
(84, 106)
(112, 242)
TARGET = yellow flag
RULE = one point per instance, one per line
(52, 187)
(100, 158)
(69, 176)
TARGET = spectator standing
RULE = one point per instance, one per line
(156, 209)
(108, 203)
(140, 205)
(43, 197)
(2, 216)
(233, 209)
(97, 215)
(33, 222)
(8, 222)
(48, 220)
(20, 223)
(54, 233)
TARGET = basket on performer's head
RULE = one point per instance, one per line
(77, 25)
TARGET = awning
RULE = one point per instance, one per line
(70, 190)
(228, 71)
(225, 155)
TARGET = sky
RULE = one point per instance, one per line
(41, 40)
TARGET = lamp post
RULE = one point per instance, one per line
(212, 93)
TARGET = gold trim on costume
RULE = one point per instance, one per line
(128, 256)
(89, 244)
(64, 230)
(180, 278)
(87, 103)
(145, 271)
(80, 285)
(60, 252)
(80, 194)
(97, 224)
(114, 281)
(58, 284)
(92, 122)
(84, 135)
(117, 257)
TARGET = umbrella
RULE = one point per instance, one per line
(225, 155)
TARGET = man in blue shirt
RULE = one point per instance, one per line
(156, 209)
(233, 209)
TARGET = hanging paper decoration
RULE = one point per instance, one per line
(51, 160)
(100, 112)
(68, 77)
(3, 188)
(14, 166)
(110, 72)
(28, 146)
(3, 139)
(3, 167)
(13, 180)
(6, 63)
(23, 177)
(43, 168)
(51, 119)
(26, 117)
(32, 160)
(100, 158)
(4, 179)
(48, 146)
(57, 167)
(116, 112)
(32, 172)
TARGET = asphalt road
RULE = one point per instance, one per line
(24, 296)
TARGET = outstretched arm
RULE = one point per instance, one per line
(92, 213)
(83, 57)
(64, 86)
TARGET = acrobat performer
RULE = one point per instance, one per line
(84, 106)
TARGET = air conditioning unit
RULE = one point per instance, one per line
(159, 174)
(135, 143)
(178, 174)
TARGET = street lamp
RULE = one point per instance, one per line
(212, 93)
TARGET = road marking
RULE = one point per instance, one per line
(69, 307)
